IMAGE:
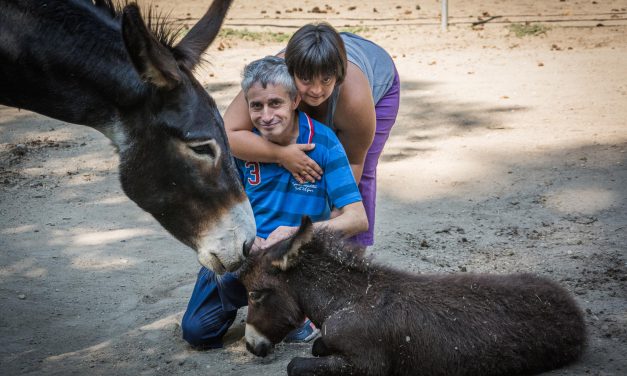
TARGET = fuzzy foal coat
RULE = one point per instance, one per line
(376, 320)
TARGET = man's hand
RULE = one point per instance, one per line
(258, 244)
(280, 233)
(303, 168)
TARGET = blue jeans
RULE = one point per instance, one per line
(212, 308)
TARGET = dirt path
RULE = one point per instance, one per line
(509, 155)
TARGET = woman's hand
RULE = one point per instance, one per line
(303, 168)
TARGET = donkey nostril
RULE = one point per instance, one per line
(262, 349)
(250, 348)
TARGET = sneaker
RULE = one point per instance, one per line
(305, 333)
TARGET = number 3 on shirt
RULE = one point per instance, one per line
(253, 169)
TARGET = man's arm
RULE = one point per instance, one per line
(351, 220)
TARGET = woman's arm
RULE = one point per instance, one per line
(249, 146)
(355, 118)
(245, 144)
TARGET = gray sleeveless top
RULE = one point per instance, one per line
(373, 61)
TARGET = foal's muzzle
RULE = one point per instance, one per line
(262, 349)
(256, 342)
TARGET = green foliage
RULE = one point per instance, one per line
(254, 36)
(274, 37)
(528, 29)
(355, 29)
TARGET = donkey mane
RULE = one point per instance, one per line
(325, 245)
(331, 245)
(159, 23)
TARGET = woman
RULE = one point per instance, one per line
(346, 82)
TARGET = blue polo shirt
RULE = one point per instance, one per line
(278, 199)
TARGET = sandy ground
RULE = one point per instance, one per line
(509, 154)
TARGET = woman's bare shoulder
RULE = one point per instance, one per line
(355, 95)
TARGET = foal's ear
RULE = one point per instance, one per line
(154, 62)
(289, 255)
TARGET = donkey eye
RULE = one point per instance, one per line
(204, 148)
(255, 296)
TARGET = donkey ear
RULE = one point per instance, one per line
(289, 255)
(154, 63)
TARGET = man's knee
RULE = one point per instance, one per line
(206, 331)
(193, 331)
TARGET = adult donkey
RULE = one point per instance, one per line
(96, 65)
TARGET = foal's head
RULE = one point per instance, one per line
(273, 307)
(175, 162)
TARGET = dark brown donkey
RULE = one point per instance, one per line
(376, 320)
(96, 65)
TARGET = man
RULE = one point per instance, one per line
(278, 200)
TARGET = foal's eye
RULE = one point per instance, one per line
(255, 296)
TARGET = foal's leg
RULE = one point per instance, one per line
(325, 366)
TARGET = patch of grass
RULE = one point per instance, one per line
(355, 29)
(254, 36)
(528, 29)
(274, 37)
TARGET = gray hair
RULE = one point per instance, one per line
(268, 70)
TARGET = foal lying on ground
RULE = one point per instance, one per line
(376, 320)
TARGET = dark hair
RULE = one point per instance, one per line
(316, 50)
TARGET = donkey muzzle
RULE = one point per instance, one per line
(256, 342)
(224, 247)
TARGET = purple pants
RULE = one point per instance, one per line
(386, 110)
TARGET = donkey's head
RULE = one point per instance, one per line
(273, 308)
(175, 161)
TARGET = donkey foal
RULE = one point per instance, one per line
(376, 320)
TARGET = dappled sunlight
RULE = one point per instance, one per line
(9, 115)
(18, 230)
(89, 262)
(582, 200)
(114, 200)
(150, 337)
(163, 323)
(416, 179)
(110, 236)
(442, 147)
(27, 267)
(85, 179)
(95, 348)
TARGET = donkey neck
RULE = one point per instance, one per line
(67, 60)
(324, 285)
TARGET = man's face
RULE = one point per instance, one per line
(272, 112)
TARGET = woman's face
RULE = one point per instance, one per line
(316, 90)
